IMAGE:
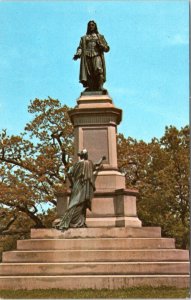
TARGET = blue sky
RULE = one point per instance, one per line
(147, 66)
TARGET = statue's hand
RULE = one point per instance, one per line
(100, 45)
(76, 56)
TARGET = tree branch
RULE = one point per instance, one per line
(8, 225)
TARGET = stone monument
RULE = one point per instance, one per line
(95, 120)
(119, 253)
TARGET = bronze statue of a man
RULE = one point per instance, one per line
(91, 52)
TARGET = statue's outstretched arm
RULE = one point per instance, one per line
(70, 177)
(98, 164)
(78, 52)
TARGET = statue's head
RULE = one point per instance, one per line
(83, 154)
(92, 27)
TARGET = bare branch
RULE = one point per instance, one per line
(8, 225)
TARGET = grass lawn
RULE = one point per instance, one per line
(138, 292)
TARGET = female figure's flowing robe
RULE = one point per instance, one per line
(81, 195)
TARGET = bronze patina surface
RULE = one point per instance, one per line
(91, 52)
(82, 179)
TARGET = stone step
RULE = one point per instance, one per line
(93, 244)
(96, 255)
(91, 268)
(105, 232)
(94, 282)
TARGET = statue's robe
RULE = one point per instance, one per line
(83, 77)
(82, 193)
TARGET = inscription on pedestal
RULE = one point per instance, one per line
(95, 140)
(101, 119)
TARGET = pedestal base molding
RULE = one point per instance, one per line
(115, 208)
(111, 208)
(113, 222)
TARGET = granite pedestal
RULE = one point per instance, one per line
(95, 120)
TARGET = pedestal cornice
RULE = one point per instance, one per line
(95, 115)
(95, 109)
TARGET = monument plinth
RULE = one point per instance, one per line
(95, 120)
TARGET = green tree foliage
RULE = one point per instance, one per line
(160, 171)
(33, 166)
